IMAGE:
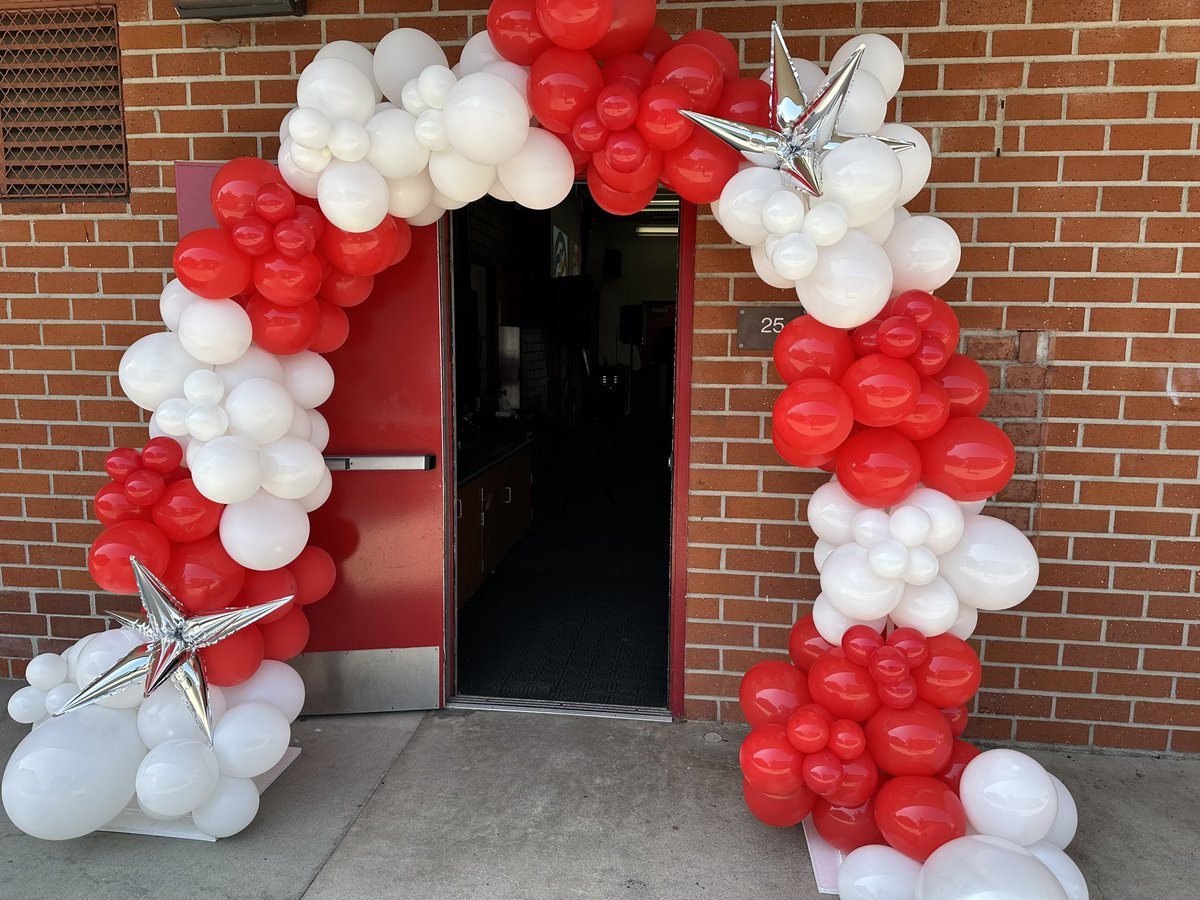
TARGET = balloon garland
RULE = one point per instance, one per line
(861, 728)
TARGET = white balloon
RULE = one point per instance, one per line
(264, 532)
(320, 493)
(765, 271)
(306, 162)
(851, 283)
(309, 128)
(27, 705)
(882, 59)
(888, 559)
(924, 253)
(972, 507)
(227, 469)
(930, 608)
(458, 177)
(156, 430)
(980, 867)
(356, 54)
(353, 195)
(407, 197)
(260, 410)
(153, 369)
(831, 512)
(275, 683)
(477, 53)
(207, 422)
(783, 212)
(300, 180)
(863, 177)
(46, 670)
(876, 872)
(386, 104)
(1007, 794)
(869, 527)
(879, 230)
(230, 807)
(100, 654)
(191, 451)
(301, 426)
(319, 430)
(945, 517)
(909, 524)
(428, 215)
(308, 378)
(443, 202)
(865, 106)
(394, 149)
(1066, 820)
(175, 777)
(59, 696)
(517, 76)
(821, 551)
(173, 300)
(853, 589)
(73, 774)
(285, 126)
(486, 118)
(337, 88)
(794, 256)
(964, 625)
(215, 331)
(204, 386)
(824, 224)
(922, 566)
(434, 84)
(250, 739)
(914, 162)
(541, 173)
(739, 209)
(71, 655)
(430, 130)
(292, 468)
(349, 141)
(164, 716)
(1064, 869)
(808, 73)
(254, 363)
(993, 567)
(832, 624)
(410, 98)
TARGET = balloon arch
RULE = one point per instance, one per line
(208, 521)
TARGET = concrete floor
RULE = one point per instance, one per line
(505, 805)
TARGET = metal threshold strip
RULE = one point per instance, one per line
(561, 708)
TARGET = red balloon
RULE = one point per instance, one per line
(915, 305)
(846, 739)
(917, 814)
(843, 688)
(144, 487)
(294, 238)
(630, 69)
(315, 574)
(883, 390)
(658, 42)
(808, 728)
(310, 216)
(617, 106)
(943, 324)
(846, 828)
(332, 330)
(658, 117)
(929, 415)
(121, 463)
(957, 717)
(285, 638)
(209, 264)
(805, 644)
(562, 84)
(813, 415)
(235, 186)
(865, 338)
(879, 467)
(574, 24)
(108, 559)
(969, 459)
(631, 25)
(263, 587)
(771, 691)
(898, 336)
(275, 202)
(912, 643)
(626, 151)
(589, 133)
(966, 385)
(952, 673)
(162, 455)
(745, 100)
(364, 252)
(806, 348)
(722, 50)
(699, 168)
(252, 235)
(930, 356)
(781, 812)
(860, 778)
(184, 514)
(287, 281)
(859, 643)
(343, 289)
(515, 31)
(619, 203)
(695, 69)
(822, 772)
(112, 506)
(913, 741)
(960, 754)
(202, 575)
(636, 180)
(770, 763)
(797, 457)
(283, 329)
(900, 694)
(234, 659)
(888, 666)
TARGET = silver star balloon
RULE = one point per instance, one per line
(804, 130)
(169, 652)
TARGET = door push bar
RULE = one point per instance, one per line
(414, 462)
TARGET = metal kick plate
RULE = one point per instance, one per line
(361, 681)
(413, 462)
(759, 325)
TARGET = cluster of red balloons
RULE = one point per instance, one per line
(889, 405)
(863, 736)
(611, 85)
(277, 255)
(152, 510)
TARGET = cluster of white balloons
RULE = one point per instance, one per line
(929, 563)
(441, 139)
(75, 773)
(846, 252)
(1020, 818)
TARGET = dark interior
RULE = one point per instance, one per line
(564, 359)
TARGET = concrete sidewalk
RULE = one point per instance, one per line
(461, 805)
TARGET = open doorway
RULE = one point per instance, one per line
(564, 332)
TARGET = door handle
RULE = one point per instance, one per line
(413, 462)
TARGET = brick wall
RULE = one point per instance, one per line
(1064, 136)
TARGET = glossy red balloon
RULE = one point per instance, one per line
(878, 467)
(515, 31)
(235, 186)
(294, 238)
(898, 336)
(913, 741)
(846, 828)
(343, 289)
(209, 264)
(859, 643)
(952, 673)
(234, 659)
(960, 754)
(658, 118)
(285, 638)
(162, 455)
(805, 644)
(275, 202)
(658, 42)
(695, 69)
(900, 694)
(636, 180)
(957, 717)
(966, 385)
(617, 106)
(589, 133)
(202, 575)
(930, 356)
(771, 691)
(721, 49)
(912, 643)
(943, 324)
(311, 216)
(929, 415)
(969, 459)
(843, 688)
(882, 389)
(917, 814)
(630, 69)
(365, 252)
(813, 415)
(619, 203)
(745, 100)
(283, 329)
(315, 573)
(562, 84)
(915, 305)
(888, 666)
(112, 506)
(781, 812)
(332, 330)
(808, 728)
(108, 559)
(184, 514)
(865, 338)
(263, 587)
(860, 778)
(770, 763)
(253, 235)
(144, 487)
(846, 739)
(626, 151)
(574, 24)
(631, 24)
(822, 772)
(806, 348)
(700, 167)
(121, 463)
(797, 457)
(287, 281)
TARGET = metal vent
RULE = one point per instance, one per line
(62, 129)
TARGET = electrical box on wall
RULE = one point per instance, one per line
(238, 9)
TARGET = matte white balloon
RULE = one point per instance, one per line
(821, 551)
(853, 589)
(254, 363)
(1066, 820)
(285, 126)
(966, 621)
(349, 141)
(308, 378)
(924, 252)
(27, 705)
(206, 422)
(338, 89)
(430, 129)
(888, 559)
(869, 527)
(1068, 874)
(100, 654)
(306, 162)
(850, 284)
(909, 524)
(410, 98)
(766, 272)
(260, 410)
(915, 163)
(153, 369)
(428, 215)
(486, 118)
(394, 150)
(993, 567)
(250, 739)
(309, 128)
(458, 177)
(922, 566)
(882, 59)
(478, 52)
(299, 179)
(264, 532)
(408, 197)
(320, 493)
(979, 867)
(356, 54)
(862, 176)
(808, 73)
(46, 670)
(865, 106)
(228, 469)
(517, 76)
(353, 195)
(946, 521)
(824, 224)
(831, 513)
(879, 230)
(215, 331)
(434, 84)
(164, 716)
(71, 655)
(175, 777)
(831, 624)
(230, 807)
(319, 429)
(930, 608)
(877, 872)
(783, 212)
(275, 683)
(1009, 795)
(60, 695)
(794, 256)
(301, 426)
(292, 468)
(542, 172)
(204, 386)
(173, 300)
(739, 209)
